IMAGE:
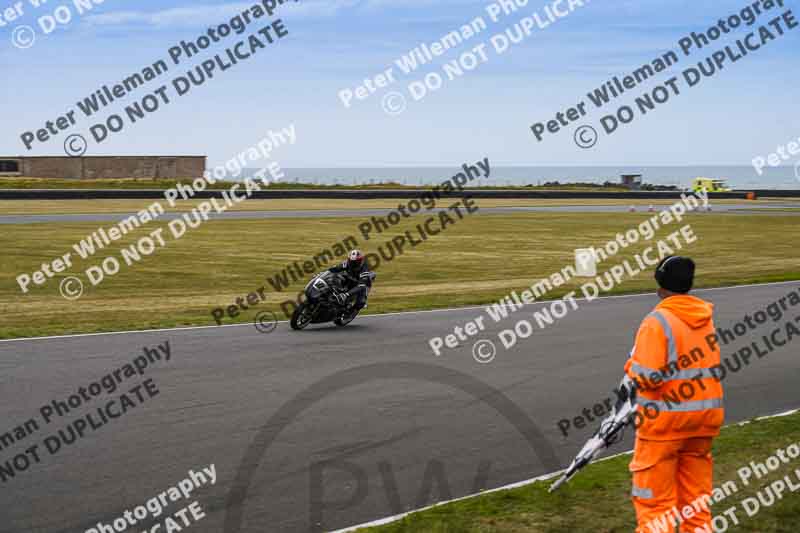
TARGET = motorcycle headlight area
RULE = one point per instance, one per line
(316, 287)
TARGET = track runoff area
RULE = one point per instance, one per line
(586, 263)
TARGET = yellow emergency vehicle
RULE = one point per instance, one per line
(710, 185)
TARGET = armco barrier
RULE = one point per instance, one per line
(776, 193)
(359, 194)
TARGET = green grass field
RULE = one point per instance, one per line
(478, 260)
(598, 500)
(33, 207)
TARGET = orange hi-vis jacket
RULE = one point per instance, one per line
(678, 396)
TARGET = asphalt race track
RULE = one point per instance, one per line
(116, 217)
(379, 405)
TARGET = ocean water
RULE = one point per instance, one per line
(739, 177)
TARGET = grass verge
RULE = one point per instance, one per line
(24, 182)
(51, 207)
(477, 260)
(597, 500)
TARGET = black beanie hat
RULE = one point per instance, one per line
(675, 273)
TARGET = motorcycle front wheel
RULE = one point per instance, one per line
(302, 316)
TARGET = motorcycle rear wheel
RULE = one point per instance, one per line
(346, 318)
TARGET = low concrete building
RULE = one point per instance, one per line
(104, 167)
(632, 181)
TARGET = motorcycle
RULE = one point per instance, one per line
(321, 303)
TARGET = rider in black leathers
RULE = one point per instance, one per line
(358, 279)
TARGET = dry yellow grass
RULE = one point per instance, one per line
(478, 260)
(37, 207)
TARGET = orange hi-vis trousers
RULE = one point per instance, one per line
(668, 476)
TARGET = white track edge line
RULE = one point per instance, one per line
(420, 311)
(395, 518)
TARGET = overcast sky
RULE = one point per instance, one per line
(746, 110)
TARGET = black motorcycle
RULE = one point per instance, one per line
(321, 304)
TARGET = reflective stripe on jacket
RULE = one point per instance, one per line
(671, 363)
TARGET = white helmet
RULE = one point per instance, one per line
(355, 260)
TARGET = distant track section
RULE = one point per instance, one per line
(356, 194)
